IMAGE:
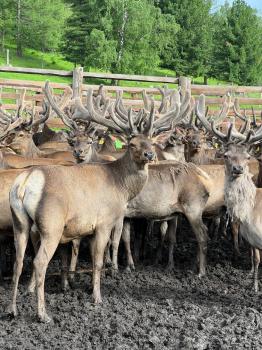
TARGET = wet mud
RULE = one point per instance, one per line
(147, 309)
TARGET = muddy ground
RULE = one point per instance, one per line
(148, 309)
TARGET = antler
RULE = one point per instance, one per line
(236, 110)
(58, 106)
(200, 113)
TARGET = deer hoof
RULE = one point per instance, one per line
(65, 286)
(11, 310)
(97, 299)
(114, 272)
(170, 268)
(44, 318)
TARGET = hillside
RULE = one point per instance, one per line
(36, 59)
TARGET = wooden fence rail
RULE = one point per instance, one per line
(10, 89)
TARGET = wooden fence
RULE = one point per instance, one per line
(10, 89)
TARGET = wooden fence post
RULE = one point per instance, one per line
(184, 83)
(77, 82)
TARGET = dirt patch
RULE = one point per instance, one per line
(148, 309)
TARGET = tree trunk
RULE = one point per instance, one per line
(122, 36)
(205, 80)
(3, 40)
(19, 50)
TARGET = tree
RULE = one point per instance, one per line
(237, 44)
(118, 35)
(39, 24)
(190, 51)
(6, 21)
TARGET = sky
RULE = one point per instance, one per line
(253, 3)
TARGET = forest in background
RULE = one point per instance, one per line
(139, 36)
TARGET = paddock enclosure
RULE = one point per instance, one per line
(157, 305)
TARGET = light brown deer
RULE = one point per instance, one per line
(90, 199)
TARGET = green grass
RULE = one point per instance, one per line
(36, 59)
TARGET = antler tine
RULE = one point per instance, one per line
(165, 93)
(11, 127)
(57, 108)
(255, 137)
(131, 122)
(254, 123)
(4, 116)
(120, 109)
(200, 113)
(146, 100)
(236, 109)
(244, 126)
(219, 134)
(148, 130)
(223, 112)
(21, 104)
(101, 92)
(43, 116)
(115, 119)
(89, 112)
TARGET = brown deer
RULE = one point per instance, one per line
(90, 199)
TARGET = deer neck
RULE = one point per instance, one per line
(259, 178)
(129, 175)
(32, 151)
(92, 155)
(240, 193)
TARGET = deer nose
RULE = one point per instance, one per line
(238, 169)
(195, 143)
(149, 155)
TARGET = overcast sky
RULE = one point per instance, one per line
(253, 3)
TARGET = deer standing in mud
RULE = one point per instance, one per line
(61, 204)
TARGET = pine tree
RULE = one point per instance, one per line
(118, 35)
(237, 44)
(190, 51)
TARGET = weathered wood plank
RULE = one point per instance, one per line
(143, 78)
(62, 73)
(30, 85)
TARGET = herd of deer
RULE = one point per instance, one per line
(57, 187)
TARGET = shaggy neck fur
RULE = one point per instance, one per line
(240, 195)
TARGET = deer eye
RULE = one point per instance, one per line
(225, 156)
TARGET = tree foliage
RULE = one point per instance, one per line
(136, 36)
(33, 23)
(237, 44)
(190, 51)
(126, 35)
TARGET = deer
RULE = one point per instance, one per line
(160, 150)
(242, 198)
(42, 198)
(21, 137)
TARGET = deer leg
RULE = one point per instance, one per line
(108, 260)
(115, 243)
(256, 258)
(21, 227)
(63, 250)
(74, 258)
(48, 246)
(235, 231)
(101, 239)
(163, 231)
(252, 261)
(200, 231)
(35, 238)
(126, 240)
(172, 230)
(215, 227)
